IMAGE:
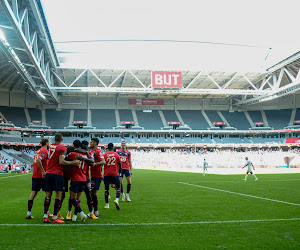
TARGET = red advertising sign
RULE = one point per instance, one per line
(124, 123)
(174, 123)
(37, 122)
(13, 166)
(297, 122)
(1, 119)
(146, 102)
(293, 140)
(259, 123)
(166, 79)
(79, 122)
(219, 123)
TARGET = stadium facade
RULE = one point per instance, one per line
(39, 97)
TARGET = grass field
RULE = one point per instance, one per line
(164, 213)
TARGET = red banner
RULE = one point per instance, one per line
(259, 123)
(219, 123)
(124, 123)
(79, 122)
(1, 119)
(166, 79)
(297, 122)
(293, 140)
(146, 102)
(174, 123)
(37, 122)
(13, 166)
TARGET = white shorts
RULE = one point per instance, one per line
(250, 170)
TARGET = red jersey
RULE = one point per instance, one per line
(78, 173)
(111, 167)
(125, 156)
(98, 156)
(55, 151)
(42, 153)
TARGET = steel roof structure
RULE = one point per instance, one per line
(28, 61)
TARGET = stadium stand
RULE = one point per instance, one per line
(192, 140)
(80, 115)
(70, 139)
(255, 116)
(228, 140)
(15, 115)
(213, 116)
(57, 119)
(103, 118)
(246, 140)
(142, 139)
(5, 158)
(237, 120)
(162, 139)
(10, 139)
(194, 119)
(170, 116)
(35, 114)
(278, 119)
(206, 140)
(125, 115)
(32, 139)
(297, 117)
(149, 120)
(17, 155)
(268, 140)
(106, 140)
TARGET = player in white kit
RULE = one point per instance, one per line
(205, 165)
(250, 169)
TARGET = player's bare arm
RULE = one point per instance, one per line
(96, 164)
(63, 162)
(83, 151)
(88, 160)
(39, 163)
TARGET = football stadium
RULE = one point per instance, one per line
(149, 125)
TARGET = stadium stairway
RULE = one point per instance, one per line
(249, 119)
(18, 157)
(27, 157)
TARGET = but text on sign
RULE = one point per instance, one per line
(166, 79)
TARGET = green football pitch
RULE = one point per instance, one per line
(168, 210)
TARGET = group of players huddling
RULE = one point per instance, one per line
(54, 165)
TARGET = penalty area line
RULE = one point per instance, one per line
(247, 195)
(149, 224)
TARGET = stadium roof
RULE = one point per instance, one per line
(29, 61)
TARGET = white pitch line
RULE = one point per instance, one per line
(248, 195)
(260, 179)
(14, 176)
(149, 224)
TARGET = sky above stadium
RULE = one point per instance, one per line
(237, 34)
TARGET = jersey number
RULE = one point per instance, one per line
(111, 161)
(82, 164)
(52, 151)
